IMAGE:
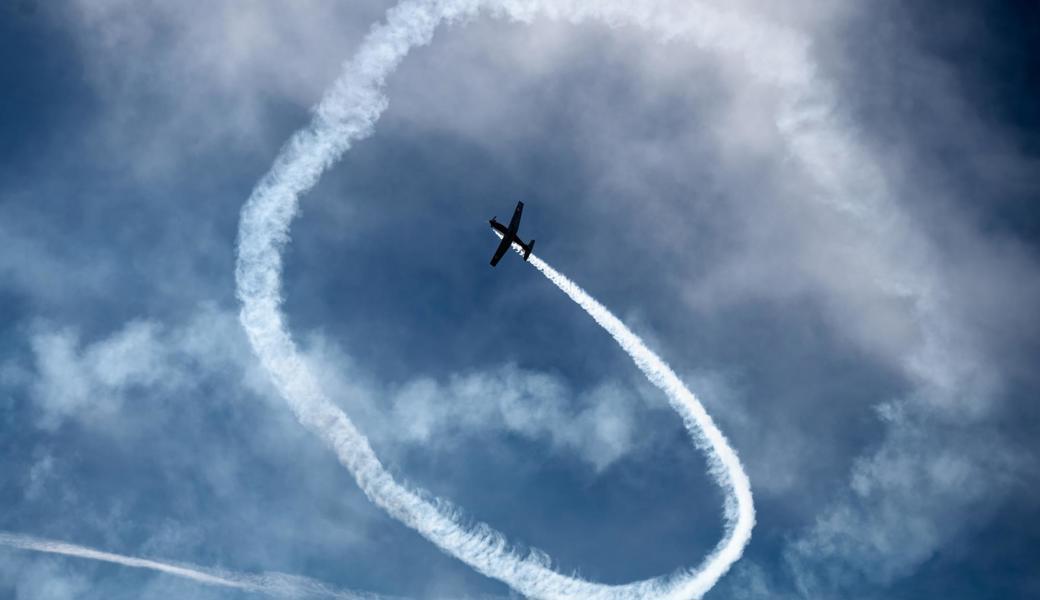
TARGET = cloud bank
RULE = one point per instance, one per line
(744, 234)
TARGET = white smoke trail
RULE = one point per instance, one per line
(724, 464)
(347, 113)
(272, 584)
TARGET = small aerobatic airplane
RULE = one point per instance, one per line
(509, 235)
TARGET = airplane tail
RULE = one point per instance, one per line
(527, 249)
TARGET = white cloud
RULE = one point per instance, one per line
(596, 425)
(936, 309)
(907, 500)
(144, 361)
(213, 72)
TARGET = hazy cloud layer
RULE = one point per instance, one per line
(90, 383)
(874, 369)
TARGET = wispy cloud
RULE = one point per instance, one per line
(809, 195)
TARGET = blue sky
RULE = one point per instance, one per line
(864, 332)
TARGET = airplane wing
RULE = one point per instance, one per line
(500, 251)
(514, 223)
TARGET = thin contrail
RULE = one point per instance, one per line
(348, 113)
(272, 584)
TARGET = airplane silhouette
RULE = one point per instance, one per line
(509, 235)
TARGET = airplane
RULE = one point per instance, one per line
(509, 235)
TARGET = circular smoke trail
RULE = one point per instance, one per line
(347, 113)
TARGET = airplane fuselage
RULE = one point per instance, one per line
(502, 229)
(509, 236)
